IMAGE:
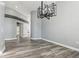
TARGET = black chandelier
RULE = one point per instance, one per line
(46, 11)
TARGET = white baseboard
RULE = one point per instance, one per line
(70, 47)
(1, 52)
(10, 38)
(35, 38)
(25, 36)
(14, 38)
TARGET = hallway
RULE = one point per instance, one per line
(36, 49)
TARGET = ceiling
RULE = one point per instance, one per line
(24, 7)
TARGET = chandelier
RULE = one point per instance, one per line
(46, 11)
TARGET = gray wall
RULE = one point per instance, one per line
(2, 27)
(64, 28)
(35, 25)
(11, 28)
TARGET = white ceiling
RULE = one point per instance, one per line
(24, 7)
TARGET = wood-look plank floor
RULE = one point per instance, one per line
(36, 49)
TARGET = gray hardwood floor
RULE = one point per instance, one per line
(36, 49)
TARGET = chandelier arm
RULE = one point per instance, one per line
(41, 7)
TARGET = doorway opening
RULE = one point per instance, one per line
(19, 30)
